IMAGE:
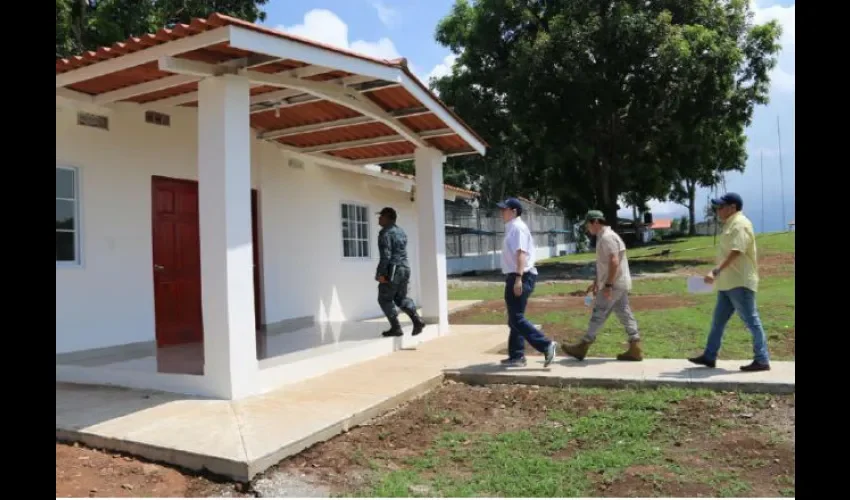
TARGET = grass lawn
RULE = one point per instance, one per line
(672, 322)
(691, 248)
(521, 441)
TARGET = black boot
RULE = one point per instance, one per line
(395, 329)
(418, 324)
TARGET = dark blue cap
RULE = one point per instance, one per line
(511, 203)
(729, 199)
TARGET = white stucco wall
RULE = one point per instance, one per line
(108, 299)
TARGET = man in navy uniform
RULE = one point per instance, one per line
(393, 275)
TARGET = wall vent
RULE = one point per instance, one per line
(92, 120)
(296, 163)
(157, 118)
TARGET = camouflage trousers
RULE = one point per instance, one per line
(394, 294)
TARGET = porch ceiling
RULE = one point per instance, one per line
(318, 100)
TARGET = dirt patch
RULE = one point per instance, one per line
(84, 472)
(563, 302)
(390, 440)
(493, 312)
(711, 444)
(644, 481)
(782, 264)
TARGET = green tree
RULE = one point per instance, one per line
(585, 100)
(718, 91)
(89, 24)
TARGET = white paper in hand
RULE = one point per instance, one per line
(697, 285)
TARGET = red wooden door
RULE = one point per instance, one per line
(176, 262)
(255, 237)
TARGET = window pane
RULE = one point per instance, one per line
(364, 249)
(364, 231)
(348, 248)
(345, 230)
(362, 213)
(65, 214)
(345, 212)
(65, 247)
(64, 183)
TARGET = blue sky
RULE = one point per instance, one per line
(396, 28)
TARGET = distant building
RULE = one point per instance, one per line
(662, 225)
(791, 225)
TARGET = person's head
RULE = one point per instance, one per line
(594, 221)
(727, 205)
(387, 217)
(511, 209)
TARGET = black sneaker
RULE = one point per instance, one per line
(514, 362)
(703, 361)
(756, 366)
(393, 333)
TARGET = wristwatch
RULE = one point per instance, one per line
(715, 271)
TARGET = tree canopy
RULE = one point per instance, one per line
(89, 24)
(585, 101)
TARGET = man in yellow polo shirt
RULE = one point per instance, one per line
(736, 280)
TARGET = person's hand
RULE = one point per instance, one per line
(518, 287)
(382, 279)
(708, 279)
(593, 288)
(607, 293)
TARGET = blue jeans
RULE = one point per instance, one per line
(521, 328)
(743, 301)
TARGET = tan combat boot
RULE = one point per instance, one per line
(634, 352)
(578, 351)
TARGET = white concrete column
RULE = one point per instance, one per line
(224, 186)
(432, 237)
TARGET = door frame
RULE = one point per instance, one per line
(256, 229)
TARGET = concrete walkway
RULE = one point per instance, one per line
(601, 372)
(240, 439)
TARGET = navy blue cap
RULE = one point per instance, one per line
(511, 203)
(729, 199)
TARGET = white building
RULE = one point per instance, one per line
(210, 184)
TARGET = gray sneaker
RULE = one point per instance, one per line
(550, 354)
(514, 362)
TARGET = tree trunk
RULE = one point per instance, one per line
(604, 196)
(692, 195)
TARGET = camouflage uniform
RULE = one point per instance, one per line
(392, 247)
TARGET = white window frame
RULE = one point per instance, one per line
(78, 247)
(368, 239)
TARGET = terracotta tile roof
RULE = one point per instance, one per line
(308, 110)
(662, 224)
(447, 186)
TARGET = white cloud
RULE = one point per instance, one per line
(663, 209)
(783, 78)
(324, 26)
(388, 15)
(442, 69)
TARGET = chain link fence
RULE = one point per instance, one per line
(472, 231)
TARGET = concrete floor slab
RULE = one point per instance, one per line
(242, 438)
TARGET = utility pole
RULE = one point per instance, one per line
(781, 176)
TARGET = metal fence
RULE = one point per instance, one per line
(474, 231)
